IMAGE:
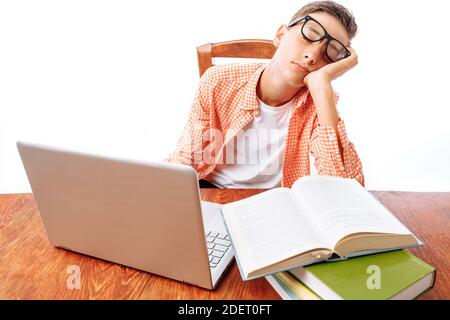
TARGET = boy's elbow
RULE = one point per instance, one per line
(360, 179)
(358, 176)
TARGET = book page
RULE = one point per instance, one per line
(268, 228)
(343, 207)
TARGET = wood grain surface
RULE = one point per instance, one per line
(30, 268)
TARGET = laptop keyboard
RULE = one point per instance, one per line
(218, 244)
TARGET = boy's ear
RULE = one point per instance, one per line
(279, 35)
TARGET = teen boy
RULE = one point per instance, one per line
(255, 125)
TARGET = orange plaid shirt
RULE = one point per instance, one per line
(226, 102)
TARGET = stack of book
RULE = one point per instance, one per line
(328, 238)
(397, 275)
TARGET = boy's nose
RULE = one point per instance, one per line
(309, 58)
(312, 54)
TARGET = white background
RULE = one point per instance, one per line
(118, 78)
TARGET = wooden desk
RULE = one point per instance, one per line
(30, 268)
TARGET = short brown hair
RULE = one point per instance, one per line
(334, 9)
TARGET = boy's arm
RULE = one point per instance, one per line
(335, 155)
(190, 146)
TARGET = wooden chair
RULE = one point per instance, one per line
(254, 49)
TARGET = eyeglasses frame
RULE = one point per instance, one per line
(326, 36)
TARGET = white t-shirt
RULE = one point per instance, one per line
(258, 151)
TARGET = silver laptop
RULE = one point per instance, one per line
(139, 214)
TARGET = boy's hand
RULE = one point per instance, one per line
(331, 71)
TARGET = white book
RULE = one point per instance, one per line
(320, 218)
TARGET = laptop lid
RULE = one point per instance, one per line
(140, 214)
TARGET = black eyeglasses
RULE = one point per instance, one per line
(313, 31)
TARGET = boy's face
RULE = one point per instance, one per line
(296, 56)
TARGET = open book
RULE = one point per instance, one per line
(320, 218)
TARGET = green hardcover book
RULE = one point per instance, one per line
(396, 275)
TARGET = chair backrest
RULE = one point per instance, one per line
(254, 49)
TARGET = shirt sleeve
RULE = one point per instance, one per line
(192, 143)
(325, 149)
